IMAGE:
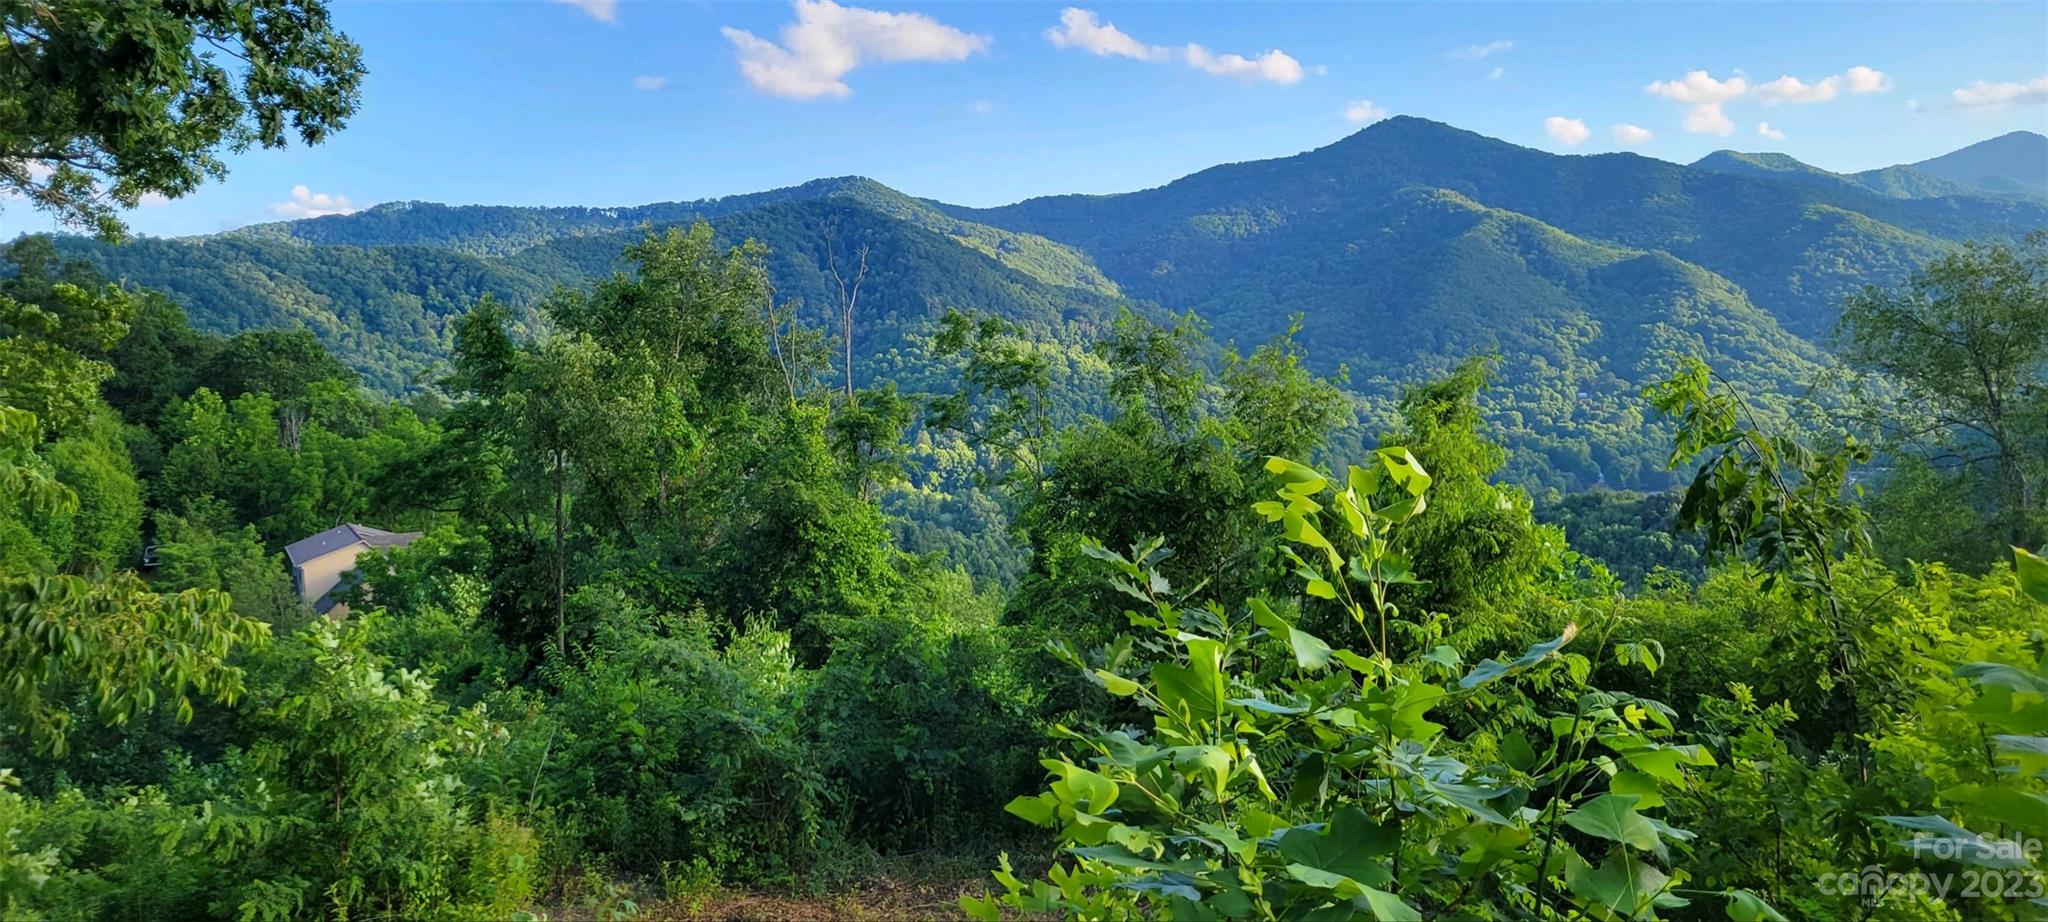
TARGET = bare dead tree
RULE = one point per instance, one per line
(291, 426)
(849, 297)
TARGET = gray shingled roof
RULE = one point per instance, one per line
(341, 536)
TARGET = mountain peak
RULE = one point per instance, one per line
(2016, 161)
(1759, 161)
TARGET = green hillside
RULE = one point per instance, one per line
(1891, 181)
(1779, 241)
(1404, 247)
(2012, 162)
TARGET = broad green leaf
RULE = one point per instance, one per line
(1169, 884)
(1625, 885)
(1386, 906)
(1267, 707)
(1490, 669)
(1116, 684)
(2032, 570)
(1638, 785)
(1125, 858)
(1196, 686)
(1310, 652)
(1084, 790)
(2024, 810)
(1948, 841)
(1298, 478)
(2031, 752)
(1037, 810)
(1208, 760)
(1351, 846)
(1405, 470)
(1744, 906)
(1614, 816)
(1264, 616)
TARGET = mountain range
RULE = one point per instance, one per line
(1402, 249)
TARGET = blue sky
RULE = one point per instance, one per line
(601, 103)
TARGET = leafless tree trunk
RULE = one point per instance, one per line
(561, 607)
(291, 427)
(849, 296)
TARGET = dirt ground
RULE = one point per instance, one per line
(876, 900)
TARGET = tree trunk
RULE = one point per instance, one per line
(561, 607)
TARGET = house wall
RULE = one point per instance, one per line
(322, 573)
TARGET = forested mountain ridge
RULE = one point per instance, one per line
(1405, 247)
(1797, 250)
(2013, 162)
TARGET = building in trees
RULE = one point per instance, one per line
(322, 563)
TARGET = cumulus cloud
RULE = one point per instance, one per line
(1986, 95)
(306, 203)
(1867, 80)
(1765, 129)
(1629, 134)
(1704, 96)
(649, 83)
(828, 41)
(1791, 89)
(1567, 131)
(1275, 65)
(600, 10)
(1857, 80)
(1083, 30)
(981, 107)
(1363, 112)
(1475, 52)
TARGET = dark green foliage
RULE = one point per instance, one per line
(1591, 276)
(120, 100)
(922, 718)
(1959, 358)
(285, 364)
(663, 627)
(1480, 546)
(1633, 534)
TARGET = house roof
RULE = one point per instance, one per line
(341, 536)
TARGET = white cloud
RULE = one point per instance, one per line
(600, 10)
(1275, 65)
(1567, 131)
(1475, 52)
(152, 200)
(1704, 95)
(1765, 129)
(1629, 134)
(1081, 29)
(1497, 73)
(1983, 95)
(1857, 80)
(1363, 112)
(1867, 80)
(306, 203)
(981, 107)
(828, 41)
(1913, 106)
(1791, 89)
(649, 83)
(1084, 30)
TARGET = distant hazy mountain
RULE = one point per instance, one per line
(1891, 181)
(2016, 162)
(2012, 164)
(1404, 247)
